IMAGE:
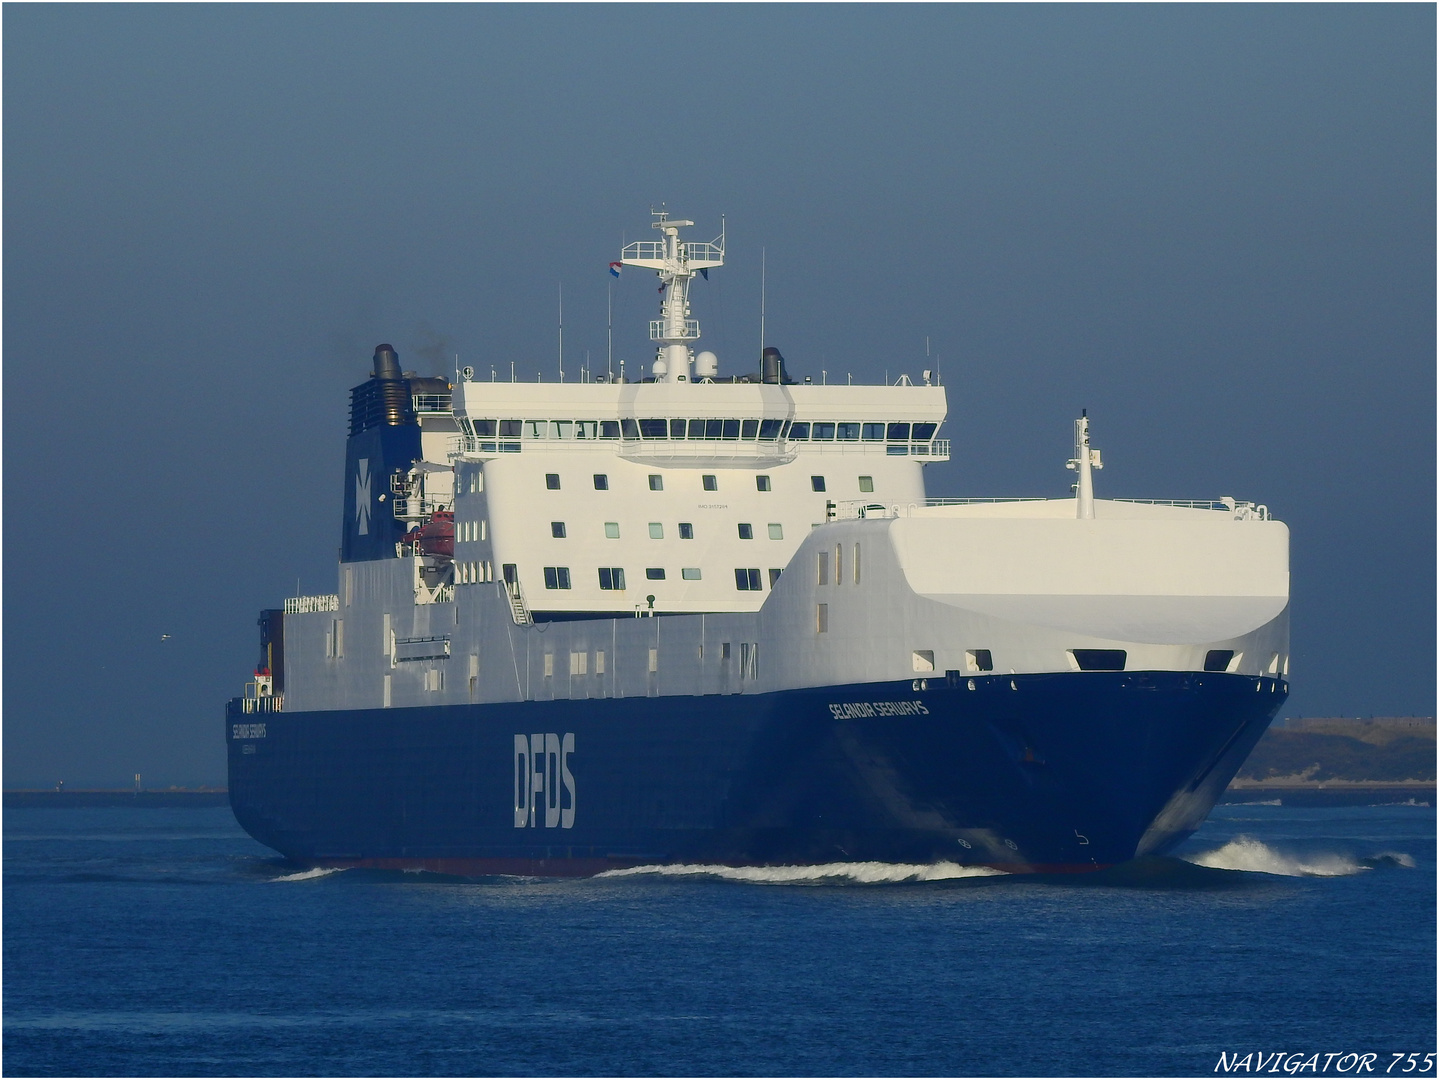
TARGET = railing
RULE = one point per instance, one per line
(268, 703)
(305, 605)
(518, 609)
(690, 333)
(431, 403)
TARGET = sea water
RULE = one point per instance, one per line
(167, 942)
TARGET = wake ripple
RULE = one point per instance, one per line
(1254, 856)
(859, 873)
(307, 875)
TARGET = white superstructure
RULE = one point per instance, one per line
(691, 534)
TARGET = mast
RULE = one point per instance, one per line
(676, 264)
(1085, 459)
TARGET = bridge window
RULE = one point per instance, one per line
(536, 429)
(776, 531)
(586, 429)
(873, 432)
(612, 530)
(709, 482)
(562, 429)
(657, 530)
(602, 482)
(746, 531)
(687, 531)
(748, 580)
(557, 530)
(749, 429)
(848, 432)
(761, 483)
(655, 573)
(557, 577)
(657, 482)
(609, 429)
(923, 432)
(612, 578)
(510, 429)
(822, 432)
(713, 428)
(629, 429)
(770, 429)
(653, 429)
(690, 573)
(697, 429)
(485, 428)
(552, 481)
(816, 483)
(677, 429)
(799, 430)
(731, 429)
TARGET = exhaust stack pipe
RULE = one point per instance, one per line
(387, 362)
(772, 366)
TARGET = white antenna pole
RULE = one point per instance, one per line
(562, 331)
(610, 325)
(761, 304)
(1085, 459)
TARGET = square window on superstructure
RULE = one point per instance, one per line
(761, 483)
(629, 428)
(922, 432)
(677, 429)
(899, 432)
(799, 430)
(709, 483)
(776, 531)
(612, 530)
(873, 433)
(510, 429)
(557, 577)
(655, 573)
(690, 573)
(822, 432)
(654, 429)
(657, 482)
(687, 531)
(552, 481)
(847, 432)
(748, 580)
(697, 429)
(612, 578)
(866, 483)
(774, 575)
(816, 483)
(557, 530)
(657, 530)
(602, 482)
(730, 430)
(749, 429)
(770, 429)
(746, 531)
(609, 429)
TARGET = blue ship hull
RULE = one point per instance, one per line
(1042, 773)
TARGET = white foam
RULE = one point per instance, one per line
(863, 873)
(306, 875)
(1394, 858)
(1255, 856)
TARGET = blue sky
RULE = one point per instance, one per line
(1212, 226)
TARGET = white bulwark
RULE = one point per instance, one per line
(695, 534)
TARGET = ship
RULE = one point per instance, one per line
(687, 618)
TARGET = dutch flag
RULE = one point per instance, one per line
(615, 268)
